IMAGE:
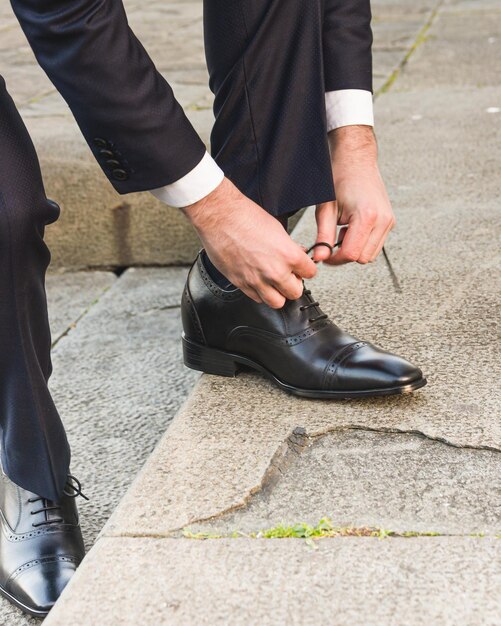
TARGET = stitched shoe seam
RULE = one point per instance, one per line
(14, 537)
(62, 558)
(291, 341)
(338, 359)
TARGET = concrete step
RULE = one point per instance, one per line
(243, 461)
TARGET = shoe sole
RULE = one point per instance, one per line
(221, 363)
(20, 605)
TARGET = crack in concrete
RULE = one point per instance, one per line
(418, 41)
(403, 431)
(75, 322)
(293, 446)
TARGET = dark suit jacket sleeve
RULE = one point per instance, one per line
(347, 41)
(125, 109)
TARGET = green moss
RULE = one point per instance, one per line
(301, 530)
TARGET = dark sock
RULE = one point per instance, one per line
(221, 280)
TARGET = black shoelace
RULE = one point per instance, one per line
(310, 305)
(394, 278)
(307, 292)
(72, 489)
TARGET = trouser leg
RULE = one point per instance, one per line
(35, 451)
(265, 61)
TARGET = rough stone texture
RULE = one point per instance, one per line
(118, 381)
(398, 482)
(70, 295)
(439, 154)
(97, 227)
(245, 582)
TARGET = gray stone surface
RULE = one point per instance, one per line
(412, 455)
(397, 482)
(245, 582)
(118, 381)
(70, 295)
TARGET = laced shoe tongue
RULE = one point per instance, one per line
(46, 512)
(312, 307)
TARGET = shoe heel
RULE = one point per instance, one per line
(208, 360)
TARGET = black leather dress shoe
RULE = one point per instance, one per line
(297, 347)
(41, 545)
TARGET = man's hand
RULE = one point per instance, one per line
(249, 246)
(362, 206)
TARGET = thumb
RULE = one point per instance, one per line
(326, 216)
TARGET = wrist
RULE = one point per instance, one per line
(204, 209)
(357, 140)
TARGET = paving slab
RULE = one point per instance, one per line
(400, 483)
(216, 466)
(70, 295)
(118, 382)
(443, 286)
(466, 48)
(272, 582)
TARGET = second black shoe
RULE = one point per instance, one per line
(41, 545)
(298, 347)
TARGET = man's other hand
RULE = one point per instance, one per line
(249, 246)
(363, 208)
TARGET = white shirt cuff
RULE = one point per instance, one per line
(193, 186)
(346, 107)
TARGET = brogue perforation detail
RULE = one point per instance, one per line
(309, 332)
(35, 562)
(338, 358)
(31, 534)
(227, 296)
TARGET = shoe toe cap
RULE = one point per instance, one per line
(40, 583)
(372, 369)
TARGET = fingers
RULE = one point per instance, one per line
(355, 239)
(326, 216)
(271, 296)
(302, 265)
(362, 242)
(375, 243)
(253, 294)
(291, 287)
